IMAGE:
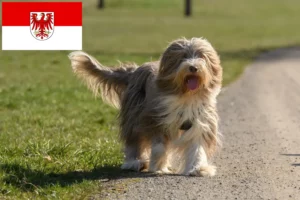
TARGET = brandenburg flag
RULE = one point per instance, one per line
(41, 26)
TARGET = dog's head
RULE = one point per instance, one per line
(189, 66)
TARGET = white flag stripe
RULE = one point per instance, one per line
(20, 38)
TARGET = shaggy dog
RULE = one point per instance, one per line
(168, 117)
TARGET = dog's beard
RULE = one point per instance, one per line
(192, 75)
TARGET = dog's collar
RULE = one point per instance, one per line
(186, 125)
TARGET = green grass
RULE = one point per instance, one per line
(57, 140)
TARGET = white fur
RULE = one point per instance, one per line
(194, 108)
(187, 146)
(197, 163)
(159, 161)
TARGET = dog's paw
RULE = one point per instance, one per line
(144, 166)
(135, 165)
(131, 165)
(165, 170)
(205, 171)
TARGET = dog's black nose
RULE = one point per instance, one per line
(193, 69)
(186, 125)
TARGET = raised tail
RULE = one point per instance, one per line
(110, 83)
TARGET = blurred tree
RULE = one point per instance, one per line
(188, 7)
(101, 4)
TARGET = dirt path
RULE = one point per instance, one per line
(260, 159)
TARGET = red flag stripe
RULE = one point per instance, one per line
(18, 13)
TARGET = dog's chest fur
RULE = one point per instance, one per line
(190, 114)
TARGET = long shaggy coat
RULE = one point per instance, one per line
(168, 116)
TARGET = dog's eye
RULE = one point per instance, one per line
(185, 56)
(199, 54)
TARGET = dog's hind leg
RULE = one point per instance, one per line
(159, 156)
(197, 163)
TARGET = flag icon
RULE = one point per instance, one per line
(41, 26)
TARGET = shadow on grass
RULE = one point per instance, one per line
(27, 179)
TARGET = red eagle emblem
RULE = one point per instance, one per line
(42, 25)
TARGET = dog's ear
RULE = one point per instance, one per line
(172, 57)
(212, 59)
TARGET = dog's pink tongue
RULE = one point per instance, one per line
(192, 83)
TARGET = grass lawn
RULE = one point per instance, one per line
(57, 141)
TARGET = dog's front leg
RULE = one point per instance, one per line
(159, 155)
(132, 161)
(196, 162)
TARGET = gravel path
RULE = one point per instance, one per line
(260, 159)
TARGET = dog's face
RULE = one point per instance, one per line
(189, 66)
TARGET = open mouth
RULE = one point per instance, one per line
(192, 82)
